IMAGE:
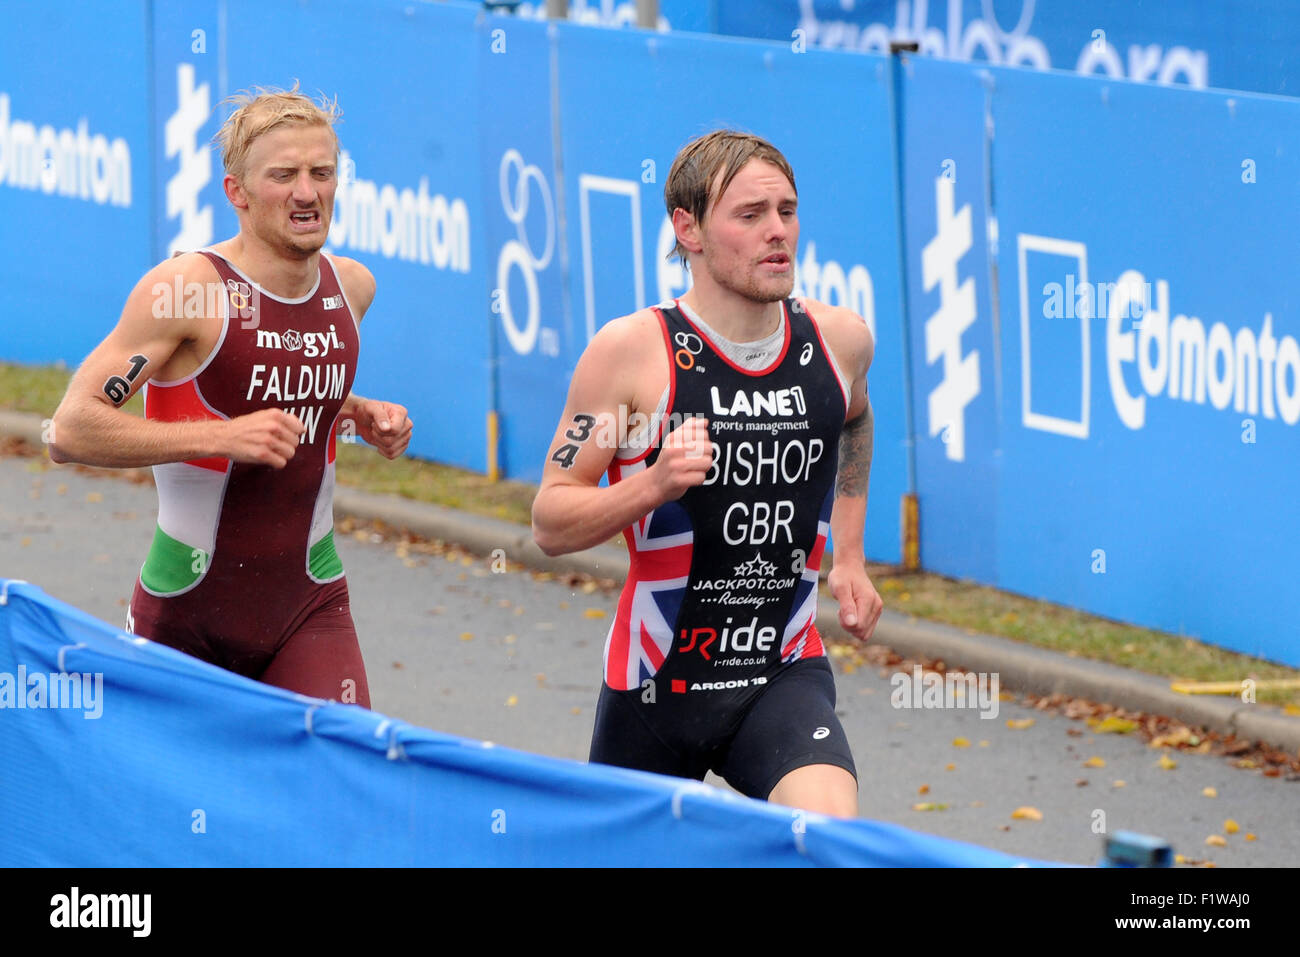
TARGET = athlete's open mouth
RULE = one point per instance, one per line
(308, 218)
(778, 259)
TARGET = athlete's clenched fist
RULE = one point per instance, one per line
(266, 437)
(684, 460)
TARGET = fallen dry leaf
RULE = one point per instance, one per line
(467, 636)
(1216, 840)
(1019, 724)
(923, 789)
(1210, 792)
(1095, 762)
(1026, 813)
(512, 701)
(950, 767)
(1113, 725)
(1167, 762)
(929, 806)
(594, 613)
(960, 743)
(1249, 836)
(1175, 738)
(1118, 784)
(1231, 826)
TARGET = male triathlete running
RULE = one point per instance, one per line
(249, 349)
(736, 429)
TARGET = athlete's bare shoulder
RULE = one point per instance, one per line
(189, 266)
(846, 333)
(628, 335)
(181, 290)
(357, 281)
(623, 364)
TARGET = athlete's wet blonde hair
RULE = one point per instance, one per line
(262, 110)
(690, 181)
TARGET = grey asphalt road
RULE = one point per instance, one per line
(453, 645)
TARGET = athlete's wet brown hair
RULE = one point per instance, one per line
(262, 110)
(698, 164)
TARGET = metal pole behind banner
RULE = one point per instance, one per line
(647, 14)
(557, 9)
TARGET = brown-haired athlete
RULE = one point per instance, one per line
(249, 349)
(756, 443)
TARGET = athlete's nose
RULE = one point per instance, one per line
(778, 230)
(304, 190)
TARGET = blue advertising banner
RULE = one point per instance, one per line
(75, 174)
(525, 306)
(619, 234)
(1148, 331)
(1237, 44)
(955, 375)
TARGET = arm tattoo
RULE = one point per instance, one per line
(565, 454)
(855, 455)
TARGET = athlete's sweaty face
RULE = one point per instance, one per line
(289, 181)
(751, 233)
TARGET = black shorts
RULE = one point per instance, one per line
(790, 724)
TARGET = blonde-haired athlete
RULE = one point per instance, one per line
(249, 348)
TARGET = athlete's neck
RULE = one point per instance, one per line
(733, 316)
(288, 278)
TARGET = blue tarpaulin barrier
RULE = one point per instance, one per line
(116, 751)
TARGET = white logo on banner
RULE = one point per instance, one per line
(519, 252)
(1154, 352)
(181, 137)
(983, 38)
(68, 162)
(1026, 243)
(631, 190)
(943, 330)
(399, 223)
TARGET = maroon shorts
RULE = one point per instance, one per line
(308, 645)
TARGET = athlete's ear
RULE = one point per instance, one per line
(235, 192)
(688, 230)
